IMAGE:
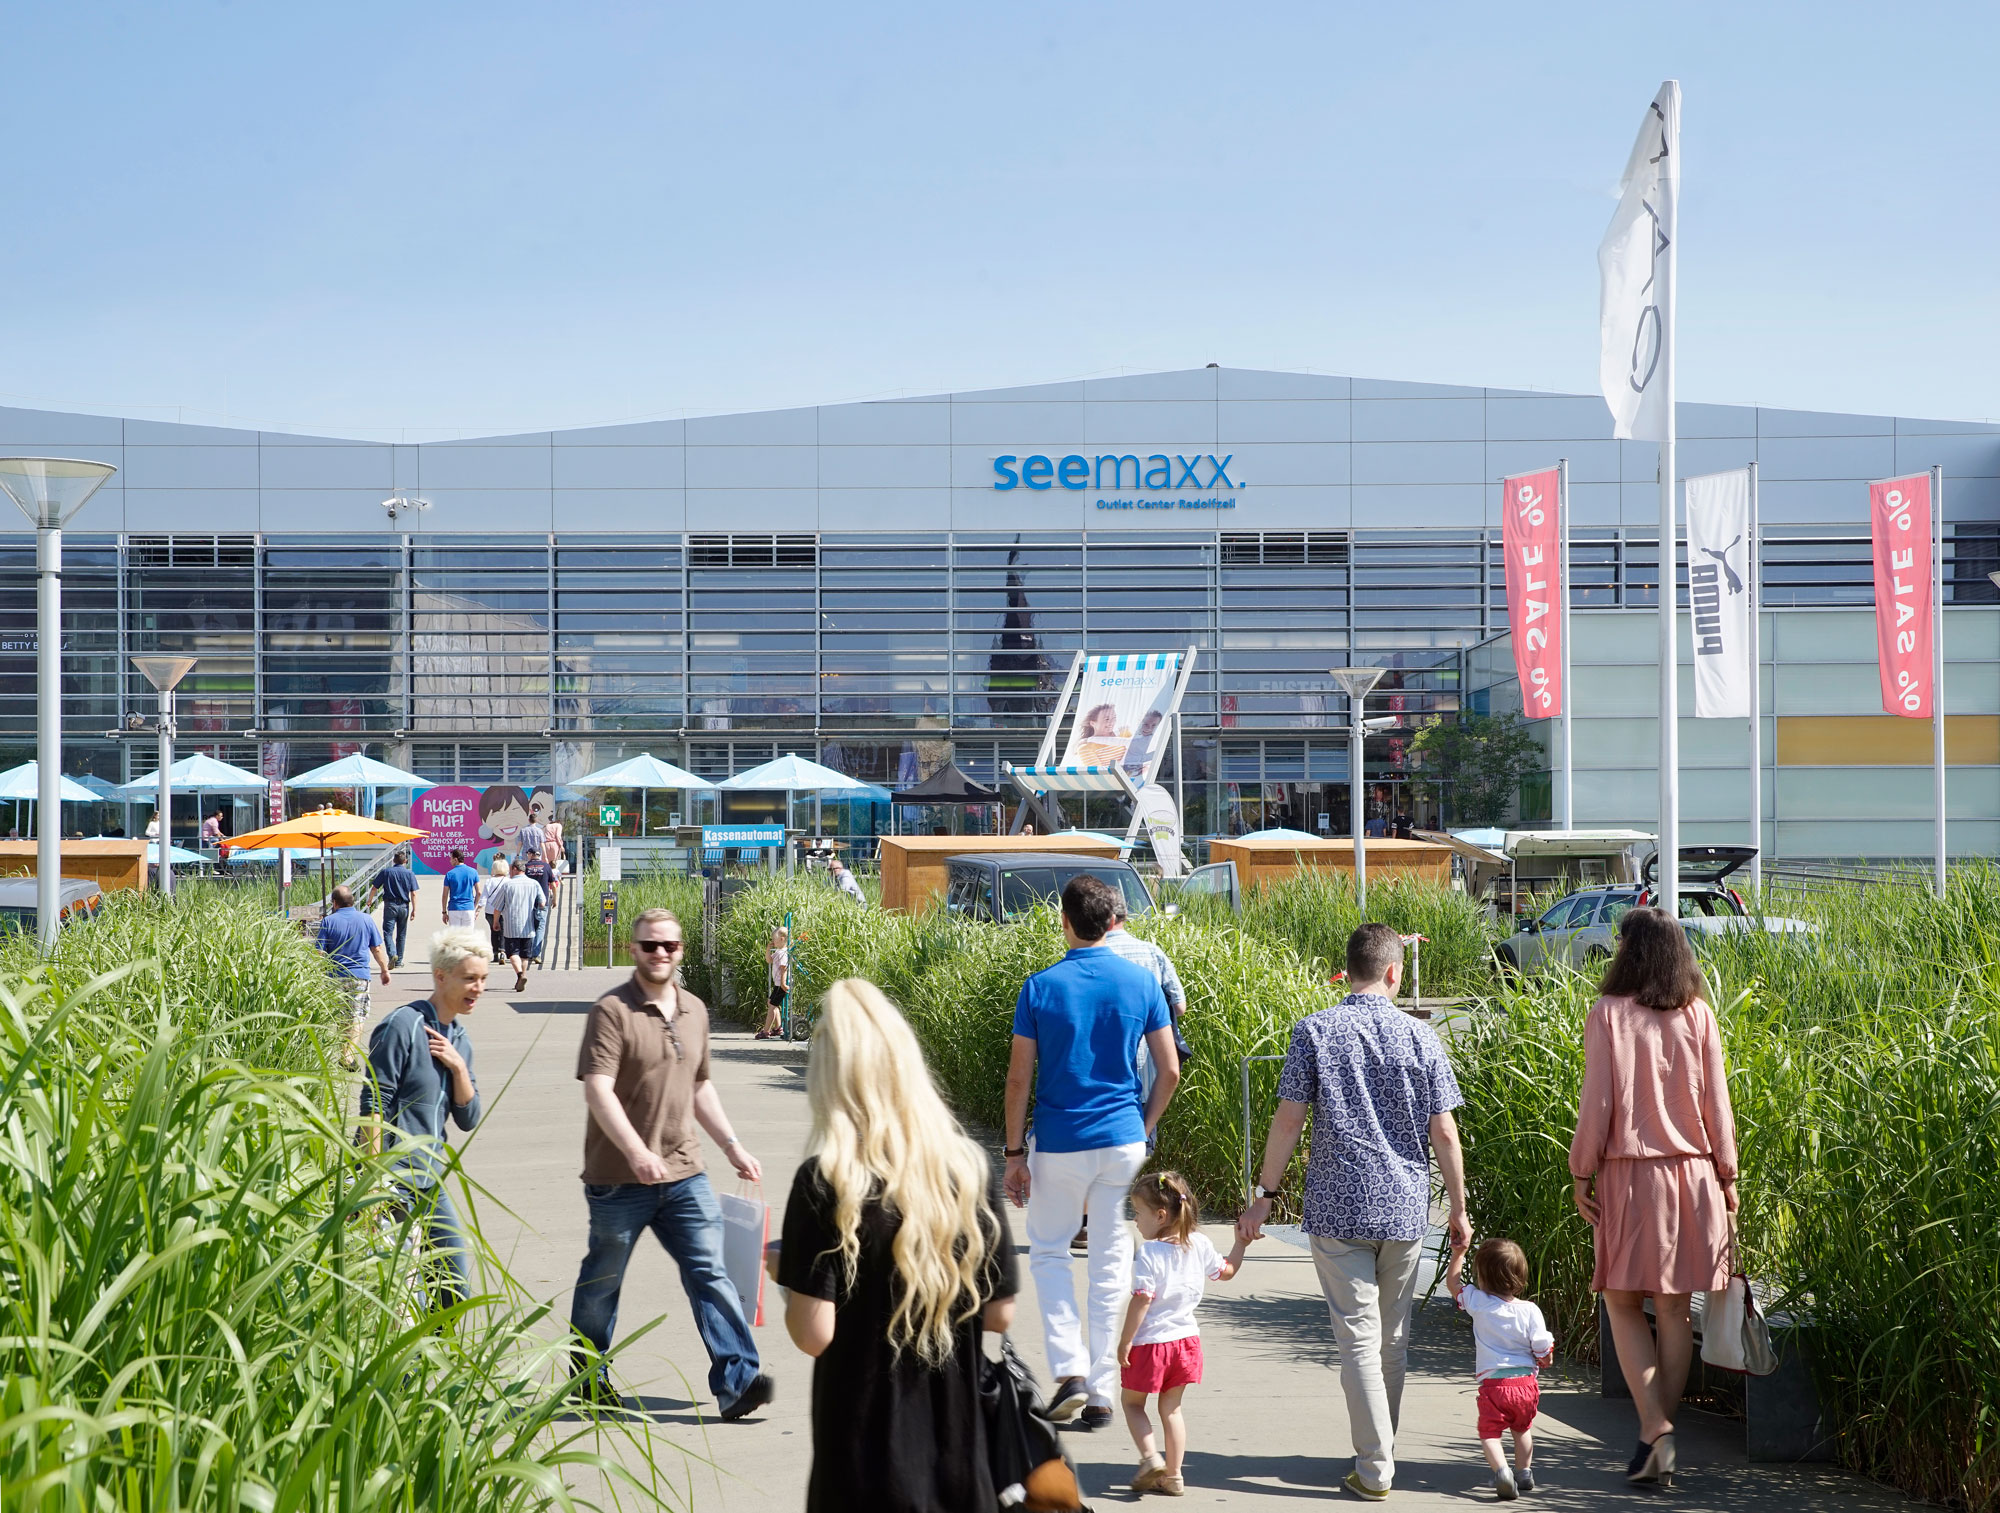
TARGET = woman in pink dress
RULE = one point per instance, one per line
(1654, 1160)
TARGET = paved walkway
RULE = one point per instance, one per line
(1267, 1429)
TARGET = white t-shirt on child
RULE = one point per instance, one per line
(1173, 1276)
(1508, 1333)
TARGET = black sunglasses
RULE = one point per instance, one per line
(671, 947)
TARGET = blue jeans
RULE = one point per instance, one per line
(395, 928)
(541, 935)
(688, 1221)
(439, 1220)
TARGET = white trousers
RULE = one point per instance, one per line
(1065, 1188)
(458, 919)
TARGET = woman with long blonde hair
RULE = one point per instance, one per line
(895, 1258)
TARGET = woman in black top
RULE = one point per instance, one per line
(895, 1258)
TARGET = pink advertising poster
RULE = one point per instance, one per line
(481, 822)
(451, 815)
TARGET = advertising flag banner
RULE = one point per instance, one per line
(1635, 298)
(1161, 818)
(1122, 706)
(1899, 517)
(1719, 591)
(1531, 534)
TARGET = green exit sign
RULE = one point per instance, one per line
(608, 816)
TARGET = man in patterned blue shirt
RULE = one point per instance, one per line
(1381, 1094)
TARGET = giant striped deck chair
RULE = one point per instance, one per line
(1127, 715)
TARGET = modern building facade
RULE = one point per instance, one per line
(885, 584)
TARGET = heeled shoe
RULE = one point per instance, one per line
(1653, 1461)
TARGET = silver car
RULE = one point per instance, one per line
(1582, 930)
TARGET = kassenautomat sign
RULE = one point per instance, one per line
(1158, 481)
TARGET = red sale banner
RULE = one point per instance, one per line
(1899, 515)
(1530, 533)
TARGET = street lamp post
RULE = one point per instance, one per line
(49, 490)
(165, 674)
(1357, 681)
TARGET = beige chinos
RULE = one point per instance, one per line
(1370, 1287)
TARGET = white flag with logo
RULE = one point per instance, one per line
(1721, 579)
(1635, 268)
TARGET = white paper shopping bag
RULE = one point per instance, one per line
(746, 1228)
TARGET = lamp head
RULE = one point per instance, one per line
(163, 672)
(1357, 681)
(48, 490)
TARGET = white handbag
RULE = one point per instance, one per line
(1734, 1336)
(746, 1230)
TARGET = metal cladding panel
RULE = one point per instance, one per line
(230, 510)
(459, 465)
(32, 430)
(642, 512)
(761, 428)
(1166, 423)
(1242, 421)
(478, 511)
(1589, 461)
(322, 467)
(1818, 423)
(884, 509)
(613, 467)
(1959, 456)
(325, 510)
(772, 467)
(1399, 505)
(1857, 457)
(645, 433)
(1419, 419)
(1546, 417)
(1257, 383)
(884, 467)
(1419, 462)
(1262, 467)
(1187, 384)
(190, 467)
(886, 423)
(1714, 455)
(1025, 426)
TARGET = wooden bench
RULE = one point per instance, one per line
(1781, 1413)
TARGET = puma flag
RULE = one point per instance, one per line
(1635, 269)
(1721, 581)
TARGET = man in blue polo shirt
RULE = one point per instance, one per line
(350, 938)
(462, 889)
(1078, 1026)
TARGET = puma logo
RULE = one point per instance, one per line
(1722, 559)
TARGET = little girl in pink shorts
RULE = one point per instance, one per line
(1160, 1349)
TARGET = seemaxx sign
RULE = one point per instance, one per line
(1160, 481)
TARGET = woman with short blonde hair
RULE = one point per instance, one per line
(896, 1258)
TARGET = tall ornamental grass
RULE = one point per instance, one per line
(651, 890)
(1864, 1066)
(206, 1299)
(1314, 911)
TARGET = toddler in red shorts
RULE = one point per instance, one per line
(1512, 1344)
(1160, 1349)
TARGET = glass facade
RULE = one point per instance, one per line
(889, 585)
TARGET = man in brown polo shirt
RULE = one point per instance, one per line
(644, 1069)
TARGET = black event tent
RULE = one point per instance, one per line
(948, 785)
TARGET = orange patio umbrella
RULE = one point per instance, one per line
(328, 829)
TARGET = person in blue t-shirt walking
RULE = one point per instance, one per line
(1077, 1030)
(462, 889)
(397, 886)
(350, 937)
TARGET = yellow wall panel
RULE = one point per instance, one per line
(1970, 740)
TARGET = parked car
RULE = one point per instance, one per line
(1000, 886)
(1581, 930)
(80, 899)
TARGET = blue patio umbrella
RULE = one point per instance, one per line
(360, 772)
(643, 772)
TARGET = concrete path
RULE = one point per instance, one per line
(1268, 1428)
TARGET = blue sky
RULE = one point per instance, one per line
(449, 219)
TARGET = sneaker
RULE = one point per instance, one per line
(596, 1389)
(1152, 1470)
(1362, 1490)
(1524, 1478)
(1503, 1485)
(1095, 1417)
(1172, 1486)
(1067, 1400)
(1079, 1244)
(760, 1391)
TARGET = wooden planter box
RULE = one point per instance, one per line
(1261, 862)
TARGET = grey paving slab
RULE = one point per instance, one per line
(1267, 1429)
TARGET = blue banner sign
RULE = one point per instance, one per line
(745, 836)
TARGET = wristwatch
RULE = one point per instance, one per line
(1263, 1192)
(1013, 1150)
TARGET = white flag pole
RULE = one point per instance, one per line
(1566, 811)
(1670, 732)
(1937, 665)
(1754, 572)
